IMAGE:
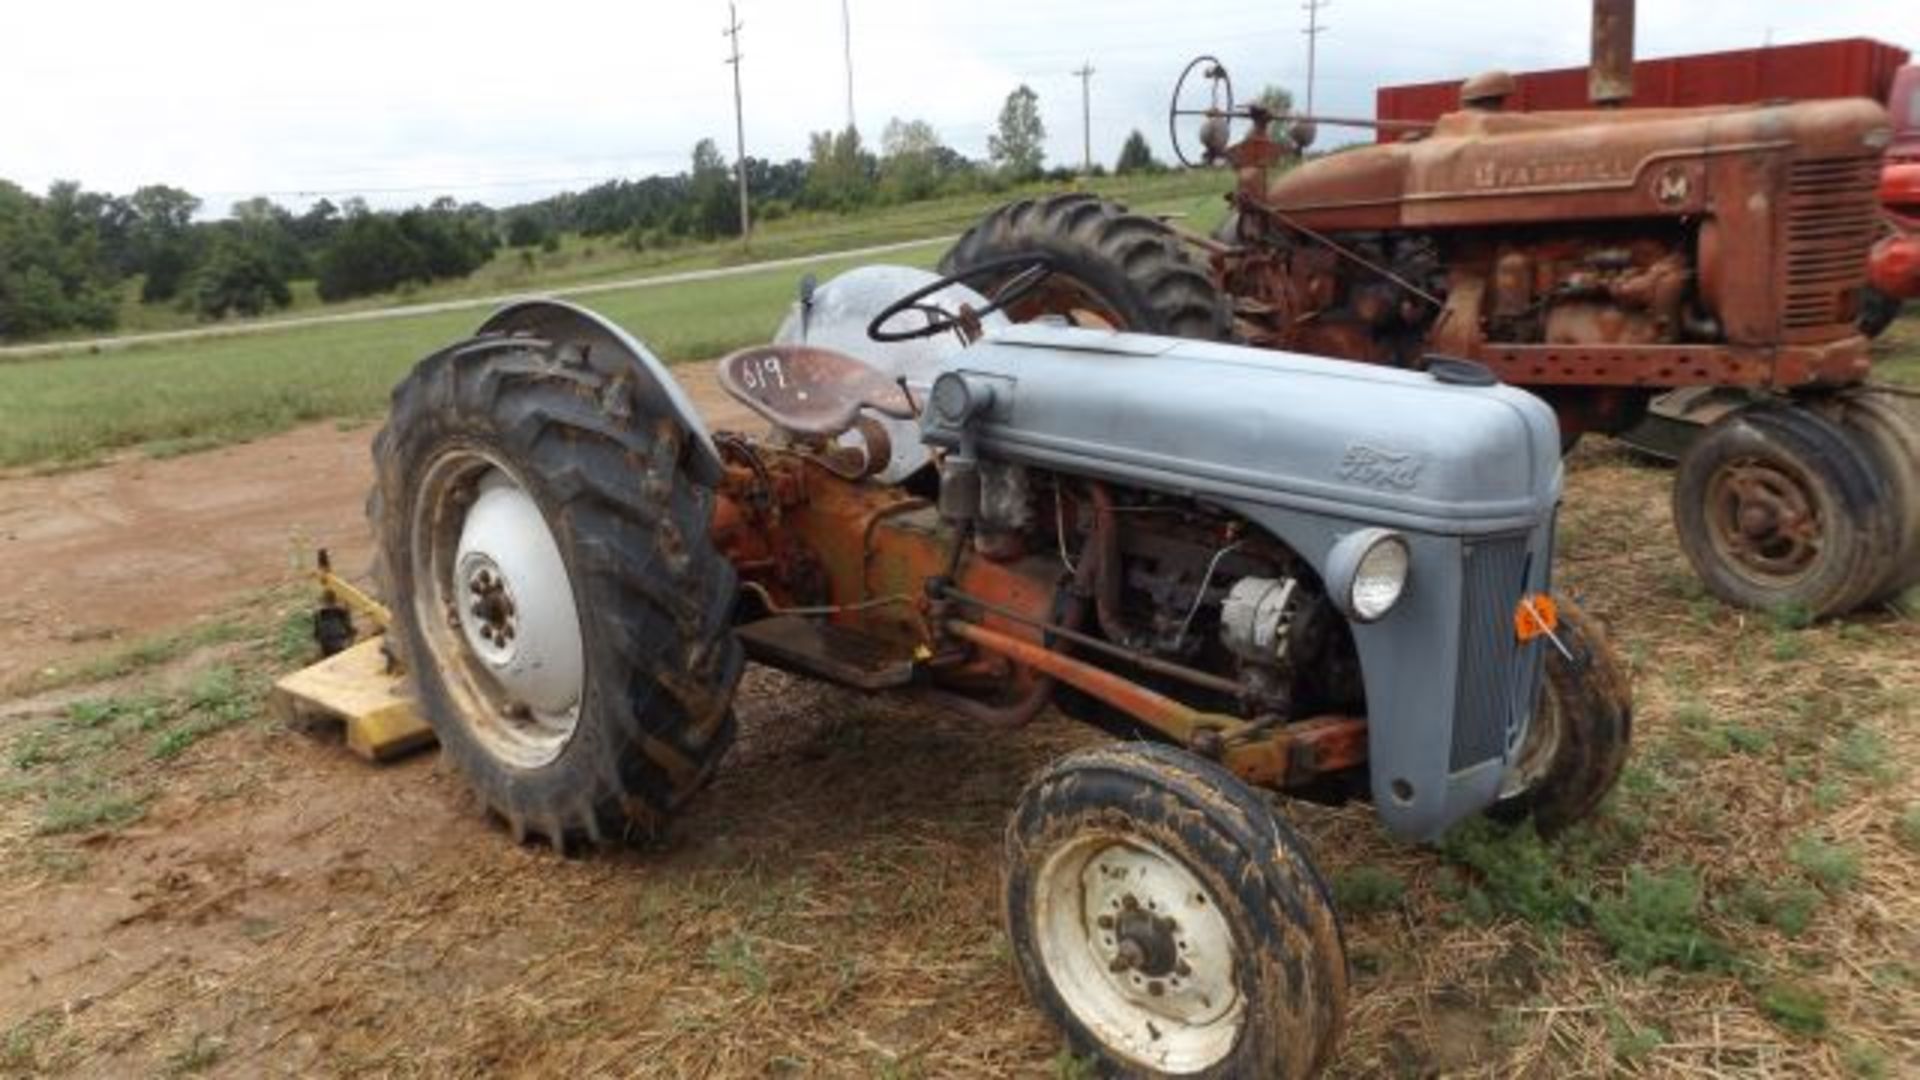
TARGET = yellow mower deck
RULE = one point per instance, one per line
(353, 688)
(357, 688)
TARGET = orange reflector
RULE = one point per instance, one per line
(1535, 615)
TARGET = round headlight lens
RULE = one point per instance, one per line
(1380, 578)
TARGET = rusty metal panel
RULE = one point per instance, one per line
(1845, 67)
(1610, 71)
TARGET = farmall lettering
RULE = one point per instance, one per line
(1550, 172)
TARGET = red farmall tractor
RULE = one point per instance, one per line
(1597, 258)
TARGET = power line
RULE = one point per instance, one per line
(739, 119)
(1086, 116)
(1313, 31)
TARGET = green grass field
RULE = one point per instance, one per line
(72, 407)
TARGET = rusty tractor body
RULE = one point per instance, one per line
(989, 519)
(1597, 257)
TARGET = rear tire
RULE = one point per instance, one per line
(1578, 740)
(1168, 922)
(651, 598)
(1778, 507)
(1110, 267)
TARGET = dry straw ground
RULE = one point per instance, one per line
(186, 888)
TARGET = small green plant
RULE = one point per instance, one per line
(1865, 1060)
(23, 1049)
(735, 955)
(1365, 889)
(65, 813)
(1693, 714)
(1630, 1041)
(1834, 867)
(1515, 874)
(1829, 794)
(1906, 828)
(1864, 751)
(1799, 1009)
(1792, 616)
(1749, 740)
(34, 749)
(1788, 647)
(1068, 1066)
(1655, 922)
(1786, 907)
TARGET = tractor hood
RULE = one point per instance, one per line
(1480, 168)
(1252, 426)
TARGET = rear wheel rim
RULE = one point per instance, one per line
(495, 606)
(1139, 951)
(1064, 295)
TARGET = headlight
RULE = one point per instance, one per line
(1367, 572)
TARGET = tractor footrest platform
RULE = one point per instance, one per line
(354, 688)
(817, 647)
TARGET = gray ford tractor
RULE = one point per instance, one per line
(1266, 572)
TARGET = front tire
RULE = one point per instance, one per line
(1877, 311)
(1578, 740)
(563, 617)
(1778, 507)
(1111, 268)
(1169, 922)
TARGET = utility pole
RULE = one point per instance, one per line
(1086, 118)
(739, 121)
(1313, 31)
(846, 39)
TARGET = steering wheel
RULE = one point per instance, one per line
(1218, 113)
(1032, 270)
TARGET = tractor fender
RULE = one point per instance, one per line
(557, 320)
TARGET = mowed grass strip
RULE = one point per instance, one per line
(78, 407)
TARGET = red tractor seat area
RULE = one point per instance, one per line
(809, 390)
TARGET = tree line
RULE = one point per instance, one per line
(67, 257)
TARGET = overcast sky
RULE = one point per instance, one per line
(505, 102)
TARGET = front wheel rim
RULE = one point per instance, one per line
(495, 606)
(1537, 749)
(1139, 951)
(1765, 519)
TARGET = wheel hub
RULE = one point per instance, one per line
(1764, 519)
(1140, 951)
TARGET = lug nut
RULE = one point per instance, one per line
(1156, 988)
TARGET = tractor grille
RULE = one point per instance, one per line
(1497, 675)
(1832, 219)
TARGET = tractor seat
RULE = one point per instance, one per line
(809, 390)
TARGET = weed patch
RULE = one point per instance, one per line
(1799, 1009)
(1834, 867)
(1363, 890)
(1655, 922)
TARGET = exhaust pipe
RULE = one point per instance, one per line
(1610, 72)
